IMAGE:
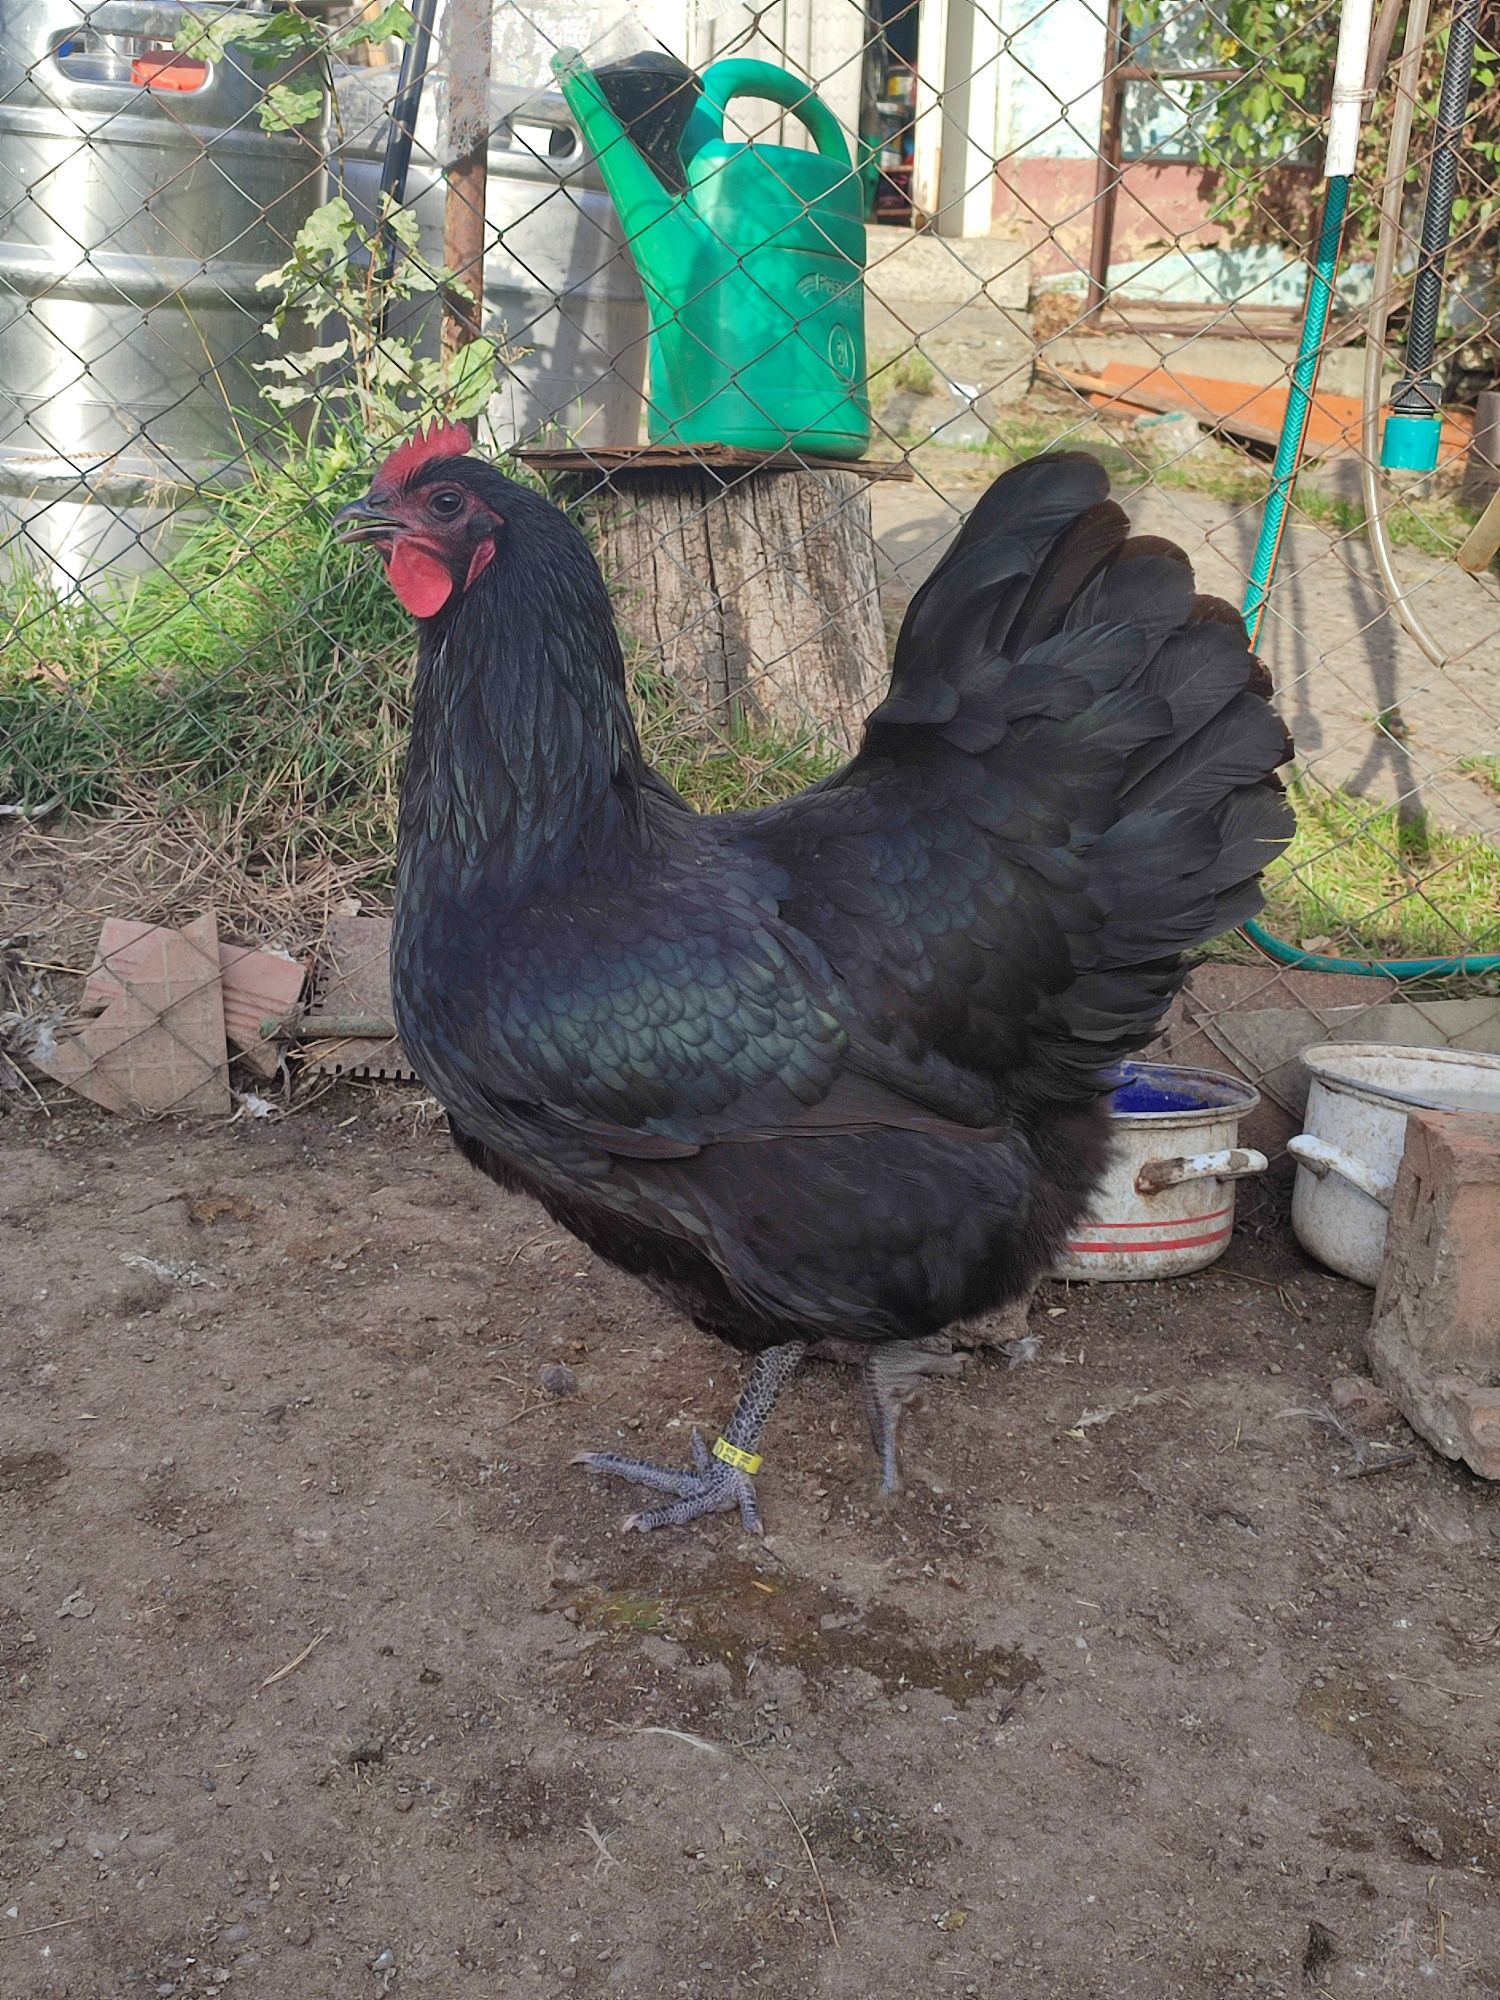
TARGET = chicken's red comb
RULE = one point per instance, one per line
(437, 441)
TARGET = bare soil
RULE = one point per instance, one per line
(324, 1674)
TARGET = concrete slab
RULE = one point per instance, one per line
(1434, 1342)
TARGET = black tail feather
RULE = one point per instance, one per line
(1117, 713)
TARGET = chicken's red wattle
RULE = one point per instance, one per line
(420, 581)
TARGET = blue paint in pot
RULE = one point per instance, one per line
(1143, 1093)
(1148, 1090)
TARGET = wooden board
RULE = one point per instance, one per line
(607, 460)
(1244, 411)
(1183, 319)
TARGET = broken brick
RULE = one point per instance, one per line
(159, 1044)
(258, 985)
(1434, 1342)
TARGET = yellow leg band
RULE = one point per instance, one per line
(748, 1462)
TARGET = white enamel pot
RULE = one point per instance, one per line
(1350, 1152)
(1166, 1206)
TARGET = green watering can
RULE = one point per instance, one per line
(753, 272)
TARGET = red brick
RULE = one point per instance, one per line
(1435, 1339)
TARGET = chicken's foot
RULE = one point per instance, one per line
(893, 1372)
(722, 1476)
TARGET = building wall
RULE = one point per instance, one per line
(820, 39)
(1164, 241)
(1018, 84)
(1053, 70)
(1048, 203)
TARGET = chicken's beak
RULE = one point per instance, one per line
(363, 521)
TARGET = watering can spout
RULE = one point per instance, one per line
(639, 194)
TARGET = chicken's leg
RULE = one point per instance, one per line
(723, 1477)
(892, 1373)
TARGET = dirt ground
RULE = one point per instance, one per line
(324, 1674)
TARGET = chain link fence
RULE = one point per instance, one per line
(1088, 225)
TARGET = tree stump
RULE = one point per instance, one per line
(755, 592)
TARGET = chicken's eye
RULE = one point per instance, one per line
(445, 504)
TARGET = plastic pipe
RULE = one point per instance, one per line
(1293, 955)
(396, 164)
(1375, 499)
(1299, 403)
(1344, 118)
(1392, 198)
(1414, 429)
(1346, 111)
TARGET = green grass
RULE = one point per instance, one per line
(261, 680)
(1486, 770)
(1360, 880)
(1432, 527)
(908, 371)
(731, 768)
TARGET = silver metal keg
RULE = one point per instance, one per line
(559, 283)
(143, 201)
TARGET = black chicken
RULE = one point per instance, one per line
(827, 1075)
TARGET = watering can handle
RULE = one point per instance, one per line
(743, 76)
